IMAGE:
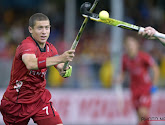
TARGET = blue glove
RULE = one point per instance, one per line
(153, 89)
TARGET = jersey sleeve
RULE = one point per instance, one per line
(53, 50)
(148, 60)
(27, 48)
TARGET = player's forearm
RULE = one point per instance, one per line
(162, 41)
(33, 63)
(51, 61)
(155, 74)
(66, 56)
(120, 78)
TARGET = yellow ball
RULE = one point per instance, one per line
(103, 15)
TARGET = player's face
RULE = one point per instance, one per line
(131, 47)
(40, 32)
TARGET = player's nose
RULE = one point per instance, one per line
(43, 30)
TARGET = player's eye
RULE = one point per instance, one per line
(47, 27)
(39, 28)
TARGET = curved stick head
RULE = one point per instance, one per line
(84, 9)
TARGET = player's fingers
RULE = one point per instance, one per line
(146, 32)
(71, 55)
(148, 28)
(140, 33)
(143, 33)
(149, 32)
(71, 51)
(146, 36)
(70, 59)
(152, 33)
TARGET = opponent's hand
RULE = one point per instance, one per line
(148, 33)
(68, 56)
(153, 89)
(68, 72)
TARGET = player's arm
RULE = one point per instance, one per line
(154, 87)
(33, 63)
(149, 33)
(120, 78)
(155, 70)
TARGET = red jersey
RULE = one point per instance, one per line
(137, 68)
(27, 86)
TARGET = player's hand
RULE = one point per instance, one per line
(153, 89)
(67, 56)
(68, 72)
(148, 33)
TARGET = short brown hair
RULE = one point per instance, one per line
(37, 17)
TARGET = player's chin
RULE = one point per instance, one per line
(43, 40)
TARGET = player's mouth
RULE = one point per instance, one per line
(43, 37)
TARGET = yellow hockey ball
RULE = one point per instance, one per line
(103, 15)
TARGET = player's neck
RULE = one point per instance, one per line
(133, 56)
(41, 45)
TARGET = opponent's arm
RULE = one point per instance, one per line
(149, 33)
(32, 62)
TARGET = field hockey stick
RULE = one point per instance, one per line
(118, 23)
(85, 6)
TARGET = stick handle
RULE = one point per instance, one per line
(76, 41)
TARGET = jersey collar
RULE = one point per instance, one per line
(41, 49)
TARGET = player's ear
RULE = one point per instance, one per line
(30, 29)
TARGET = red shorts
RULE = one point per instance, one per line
(20, 114)
(141, 100)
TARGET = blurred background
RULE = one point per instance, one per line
(95, 63)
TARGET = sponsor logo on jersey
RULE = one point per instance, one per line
(37, 73)
(41, 61)
(18, 85)
(27, 50)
